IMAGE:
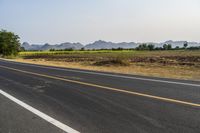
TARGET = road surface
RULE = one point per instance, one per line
(40, 99)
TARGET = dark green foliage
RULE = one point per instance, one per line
(82, 49)
(194, 48)
(151, 47)
(52, 49)
(67, 49)
(167, 46)
(9, 43)
(144, 46)
(185, 45)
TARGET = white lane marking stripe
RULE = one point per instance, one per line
(105, 74)
(40, 114)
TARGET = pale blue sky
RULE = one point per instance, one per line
(56, 21)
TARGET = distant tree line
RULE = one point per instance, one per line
(66, 49)
(141, 47)
(151, 47)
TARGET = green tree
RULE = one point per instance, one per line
(143, 46)
(185, 45)
(167, 46)
(151, 47)
(9, 43)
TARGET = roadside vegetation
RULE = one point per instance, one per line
(9, 44)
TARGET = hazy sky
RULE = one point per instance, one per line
(56, 21)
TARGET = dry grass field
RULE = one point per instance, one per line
(181, 64)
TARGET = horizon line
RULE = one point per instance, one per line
(111, 42)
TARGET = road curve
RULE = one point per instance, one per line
(95, 102)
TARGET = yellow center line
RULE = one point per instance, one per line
(106, 88)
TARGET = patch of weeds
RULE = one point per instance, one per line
(112, 62)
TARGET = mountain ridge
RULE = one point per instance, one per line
(100, 44)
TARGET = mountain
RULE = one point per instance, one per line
(69, 45)
(47, 46)
(102, 45)
(109, 45)
(27, 46)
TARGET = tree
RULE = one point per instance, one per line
(151, 47)
(9, 43)
(185, 45)
(82, 49)
(167, 46)
(52, 49)
(142, 47)
(177, 47)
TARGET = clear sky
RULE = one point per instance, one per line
(56, 21)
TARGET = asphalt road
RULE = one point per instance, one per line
(94, 102)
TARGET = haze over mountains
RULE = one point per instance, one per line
(101, 45)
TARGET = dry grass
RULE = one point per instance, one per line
(180, 64)
(157, 70)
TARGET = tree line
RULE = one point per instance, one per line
(151, 47)
(141, 47)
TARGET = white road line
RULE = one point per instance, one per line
(106, 74)
(40, 114)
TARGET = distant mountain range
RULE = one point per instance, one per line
(101, 45)
(109, 45)
(47, 46)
